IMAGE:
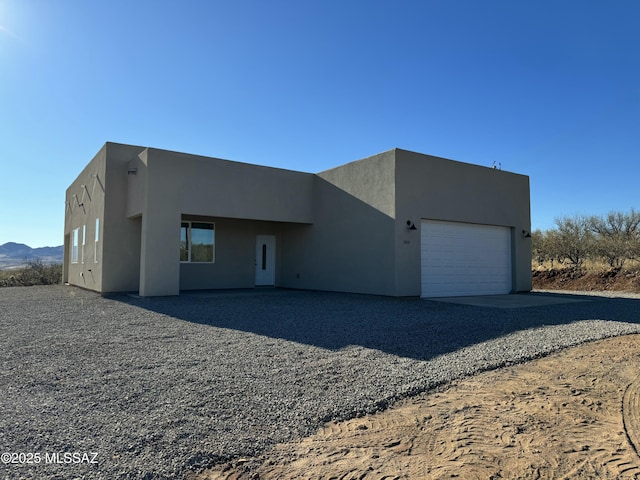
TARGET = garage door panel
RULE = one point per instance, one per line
(465, 259)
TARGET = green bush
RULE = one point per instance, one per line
(35, 273)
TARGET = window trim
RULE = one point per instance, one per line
(188, 224)
(84, 242)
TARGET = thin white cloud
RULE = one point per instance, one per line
(4, 30)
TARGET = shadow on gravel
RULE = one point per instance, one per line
(408, 327)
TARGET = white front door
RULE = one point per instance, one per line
(265, 260)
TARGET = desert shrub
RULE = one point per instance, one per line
(539, 250)
(35, 273)
(613, 238)
(618, 236)
(572, 241)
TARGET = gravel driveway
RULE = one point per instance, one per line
(154, 388)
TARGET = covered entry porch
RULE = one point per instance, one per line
(242, 254)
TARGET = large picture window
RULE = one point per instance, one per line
(197, 242)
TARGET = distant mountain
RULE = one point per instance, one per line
(12, 249)
(17, 254)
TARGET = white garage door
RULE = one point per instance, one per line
(464, 259)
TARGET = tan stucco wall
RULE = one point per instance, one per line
(370, 180)
(359, 240)
(84, 202)
(221, 188)
(136, 184)
(343, 229)
(435, 188)
(349, 245)
(179, 184)
(121, 234)
(119, 237)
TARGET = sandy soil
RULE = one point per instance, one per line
(573, 415)
(612, 279)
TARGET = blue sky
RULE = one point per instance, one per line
(548, 89)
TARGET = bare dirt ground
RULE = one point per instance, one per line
(587, 279)
(574, 414)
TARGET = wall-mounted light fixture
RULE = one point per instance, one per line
(526, 234)
(411, 225)
(132, 171)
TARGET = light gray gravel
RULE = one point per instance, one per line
(159, 387)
